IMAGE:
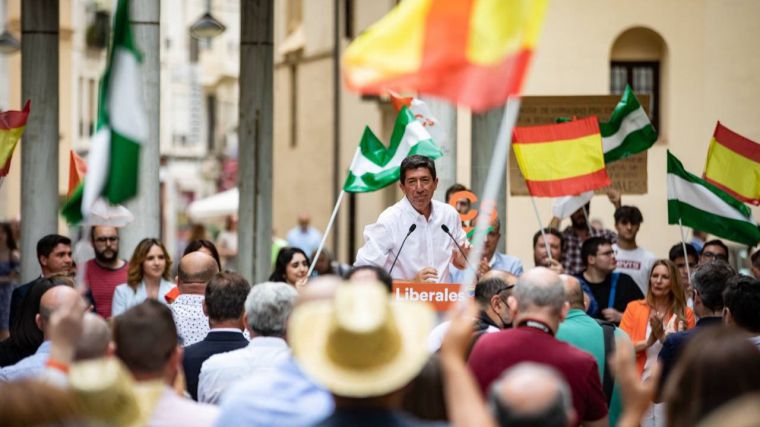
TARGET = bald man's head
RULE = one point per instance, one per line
(506, 276)
(95, 338)
(53, 299)
(532, 394)
(539, 295)
(573, 291)
(196, 268)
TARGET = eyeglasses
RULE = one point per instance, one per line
(506, 288)
(109, 239)
(713, 255)
(606, 253)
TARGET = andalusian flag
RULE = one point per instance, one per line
(121, 128)
(561, 159)
(628, 131)
(733, 165)
(421, 112)
(471, 52)
(375, 166)
(12, 125)
(703, 206)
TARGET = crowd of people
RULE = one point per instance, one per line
(599, 331)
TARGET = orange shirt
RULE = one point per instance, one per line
(635, 321)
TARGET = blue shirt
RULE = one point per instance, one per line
(307, 241)
(28, 367)
(499, 261)
(282, 396)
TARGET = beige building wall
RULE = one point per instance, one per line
(709, 71)
(10, 192)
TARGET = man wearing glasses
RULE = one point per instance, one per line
(106, 271)
(608, 290)
(714, 249)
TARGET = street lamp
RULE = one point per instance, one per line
(8, 43)
(206, 26)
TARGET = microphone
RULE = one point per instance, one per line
(411, 228)
(448, 233)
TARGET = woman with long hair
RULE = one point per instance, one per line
(9, 265)
(648, 322)
(291, 267)
(147, 277)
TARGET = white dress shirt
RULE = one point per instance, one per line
(125, 297)
(427, 246)
(192, 324)
(222, 370)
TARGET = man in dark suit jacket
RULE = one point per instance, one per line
(223, 304)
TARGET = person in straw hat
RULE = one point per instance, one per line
(365, 349)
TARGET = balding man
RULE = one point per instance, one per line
(194, 272)
(537, 306)
(96, 335)
(532, 394)
(34, 365)
(592, 336)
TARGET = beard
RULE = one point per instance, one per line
(107, 256)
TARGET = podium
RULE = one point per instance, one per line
(441, 296)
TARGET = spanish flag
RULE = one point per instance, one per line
(733, 165)
(471, 52)
(561, 159)
(12, 125)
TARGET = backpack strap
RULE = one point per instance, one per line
(613, 289)
(608, 382)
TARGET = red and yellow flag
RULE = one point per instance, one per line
(561, 159)
(12, 125)
(472, 52)
(733, 165)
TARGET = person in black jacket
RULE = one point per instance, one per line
(225, 296)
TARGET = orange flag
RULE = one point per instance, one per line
(471, 52)
(77, 170)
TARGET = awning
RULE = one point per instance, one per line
(212, 207)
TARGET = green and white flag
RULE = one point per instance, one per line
(376, 166)
(628, 131)
(122, 126)
(703, 206)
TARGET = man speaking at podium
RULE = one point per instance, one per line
(416, 239)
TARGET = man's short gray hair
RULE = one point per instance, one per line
(268, 307)
(559, 401)
(540, 290)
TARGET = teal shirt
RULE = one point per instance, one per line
(581, 330)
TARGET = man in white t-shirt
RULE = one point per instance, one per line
(631, 259)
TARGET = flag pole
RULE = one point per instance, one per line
(588, 221)
(683, 245)
(493, 184)
(541, 227)
(330, 222)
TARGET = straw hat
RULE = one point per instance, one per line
(361, 344)
(105, 389)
